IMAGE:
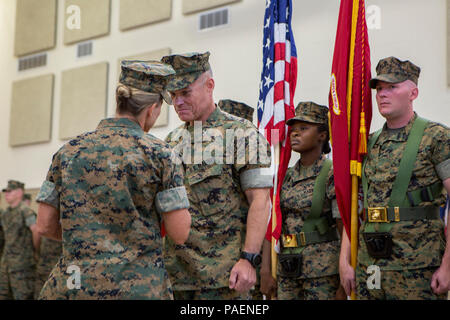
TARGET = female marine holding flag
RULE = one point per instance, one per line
(308, 262)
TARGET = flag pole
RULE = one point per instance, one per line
(353, 166)
(354, 226)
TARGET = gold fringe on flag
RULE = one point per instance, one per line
(362, 135)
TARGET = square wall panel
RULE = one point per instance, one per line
(35, 26)
(94, 19)
(136, 13)
(31, 111)
(163, 119)
(191, 6)
(83, 99)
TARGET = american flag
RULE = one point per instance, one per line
(277, 87)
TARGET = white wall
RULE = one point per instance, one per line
(410, 29)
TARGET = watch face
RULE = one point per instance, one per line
(257, 260)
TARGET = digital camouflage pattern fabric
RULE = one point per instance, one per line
(219, 206)
(320, 260)
(148, 76)
(49, 253)
(398, 285)
(188, 68)
(393, 70)
(236, 108)
(420, 243)
(17, 266)
(106, 185)
(322, 288)
(310, 112)
(14, 184)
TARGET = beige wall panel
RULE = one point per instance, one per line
(31, 111)
(135, 13)
(163, 119)
(190, 6)
(35, 26)
(83, 99)
(95, 20)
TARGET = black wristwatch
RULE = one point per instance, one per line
(254, 258)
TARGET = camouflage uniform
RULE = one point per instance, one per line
(17, 266)
(319, 278)
(110, 187)
(49, 253)
(238, 109)
(242, 110)
(200, 269)
(418, 245)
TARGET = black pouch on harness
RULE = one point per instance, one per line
(379, 244)
(291, 265)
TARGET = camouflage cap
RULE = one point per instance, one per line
(310, 112)
(188, 68)
(236, 108)
(27, 196)
(13, 184)
(148, 76)
(393, 70)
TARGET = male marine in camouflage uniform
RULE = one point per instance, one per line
(17, 266)
(413, 264)
(112, 187)
(242, 110)
(236, 108)
(49, 253)
(229, 198)
(27, 199)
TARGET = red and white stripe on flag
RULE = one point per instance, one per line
(277, 88)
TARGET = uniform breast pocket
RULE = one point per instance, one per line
(211, 188)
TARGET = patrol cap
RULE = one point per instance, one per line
(148, 76)
(310, 112)
(27, 196)
(188, 68)
(13, 185)
(393, 70)
(236, 108)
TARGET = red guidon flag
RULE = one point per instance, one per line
(350, 101)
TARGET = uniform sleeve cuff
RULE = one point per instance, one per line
(48, 194)
(172, 199)
(256, 178)
(335, 209)
(30, 220)
(443, 170)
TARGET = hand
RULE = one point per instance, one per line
(243, 276)
(347, 274)
(340, 294)
(440, 282)
(268, 285)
